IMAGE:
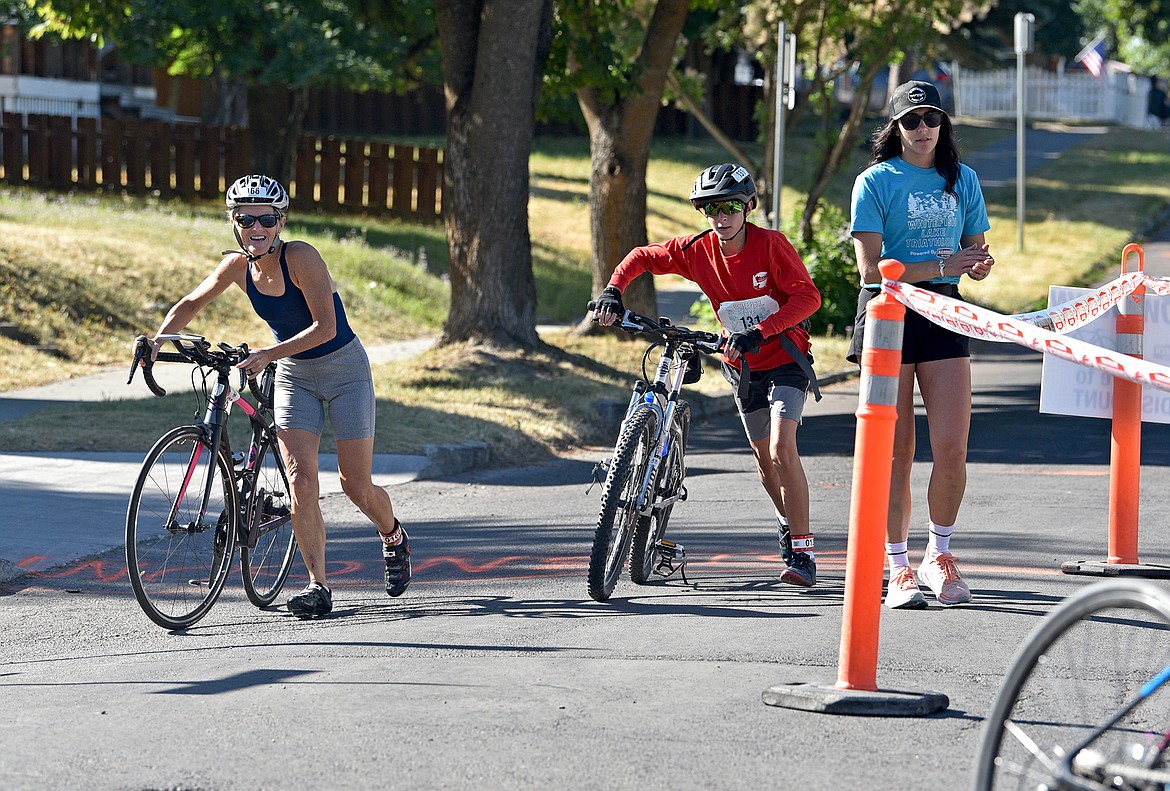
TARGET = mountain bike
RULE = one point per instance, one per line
(646, 474)
(195, 499)
(1085, 702)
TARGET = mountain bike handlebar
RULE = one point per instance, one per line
(707, 342)
(190, 349)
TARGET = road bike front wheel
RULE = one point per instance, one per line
(619, 506)
(1076, 674)
(265, 566)
(178, 552)
(650, 529)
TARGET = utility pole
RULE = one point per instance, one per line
(1023, 30)
(785, 100)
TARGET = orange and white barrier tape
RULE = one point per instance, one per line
(983, 324)
(1080, 311)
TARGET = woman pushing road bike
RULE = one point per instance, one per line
(319, 361)
(761, 291)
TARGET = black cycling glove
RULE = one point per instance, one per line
(610, 301)
(746, 341)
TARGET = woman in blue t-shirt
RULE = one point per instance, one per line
(918, 204)
(319, 361)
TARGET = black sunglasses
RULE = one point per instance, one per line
(910, 121)
(248, 220)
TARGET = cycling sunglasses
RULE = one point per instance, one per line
(910, 121)
(248, 220)
(727, 207)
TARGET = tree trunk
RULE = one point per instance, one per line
(229, 102)
(620, 132)
(835, 156)
(268, 129)
(493, 53)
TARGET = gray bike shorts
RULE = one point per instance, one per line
(773, 395)
(340, 379)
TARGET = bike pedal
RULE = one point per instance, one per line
(670, 554)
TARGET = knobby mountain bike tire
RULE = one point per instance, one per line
(611, 539)
(177, 554)
(648, 530)
(1080, 668)
(268, 511)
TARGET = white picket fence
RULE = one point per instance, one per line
(1118, 98)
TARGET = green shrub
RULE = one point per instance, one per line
(831, 262)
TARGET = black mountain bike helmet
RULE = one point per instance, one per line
(728, 181)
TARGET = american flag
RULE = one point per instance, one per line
(1093, 57)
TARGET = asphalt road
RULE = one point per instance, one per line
(495, 670)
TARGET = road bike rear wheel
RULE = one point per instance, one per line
(1078, 670)
(178, 554)
(650, 529)
(611, 539)
(265, 566)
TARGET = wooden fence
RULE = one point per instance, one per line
(188, 161)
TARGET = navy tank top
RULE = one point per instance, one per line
(288, 314)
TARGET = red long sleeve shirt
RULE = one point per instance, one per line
(765, 285)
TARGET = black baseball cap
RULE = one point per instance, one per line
(913, 94)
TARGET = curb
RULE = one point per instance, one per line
(453, 459)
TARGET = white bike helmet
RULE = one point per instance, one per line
(257, 190)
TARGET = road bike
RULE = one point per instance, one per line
(1085, 701)
(646, 474)
(195, 499)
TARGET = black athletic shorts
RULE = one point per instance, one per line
(923, 341)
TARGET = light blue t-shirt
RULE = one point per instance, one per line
(917, 218)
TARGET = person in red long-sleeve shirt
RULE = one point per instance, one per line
(761, 292)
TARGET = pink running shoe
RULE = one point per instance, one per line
(902, 593)
(941, 575)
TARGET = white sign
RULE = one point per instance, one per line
(1070, 389)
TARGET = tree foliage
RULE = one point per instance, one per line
(1137, 31)
(615, 56)
(270, 52)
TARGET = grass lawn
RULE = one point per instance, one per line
(85, 273)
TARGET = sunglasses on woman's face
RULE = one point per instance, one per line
(248, 220)
(910, 121)
(728, 207)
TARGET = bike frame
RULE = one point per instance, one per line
(663, 399)
(1068, 776)
(214, 423)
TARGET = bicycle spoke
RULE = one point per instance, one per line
(178, 551)
(265, 565)
(1072, 699)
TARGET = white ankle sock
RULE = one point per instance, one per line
(897, 555)
(940, 539)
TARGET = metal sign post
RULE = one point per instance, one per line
(1023, 29)
(785, 100)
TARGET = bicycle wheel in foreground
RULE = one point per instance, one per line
(177, 557)
(611, 540)
(1085, 662)
(265, 567)
(649, 529)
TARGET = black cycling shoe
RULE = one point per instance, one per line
(785, 534)
(802, 571)
(313, 602)
(397, 557)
